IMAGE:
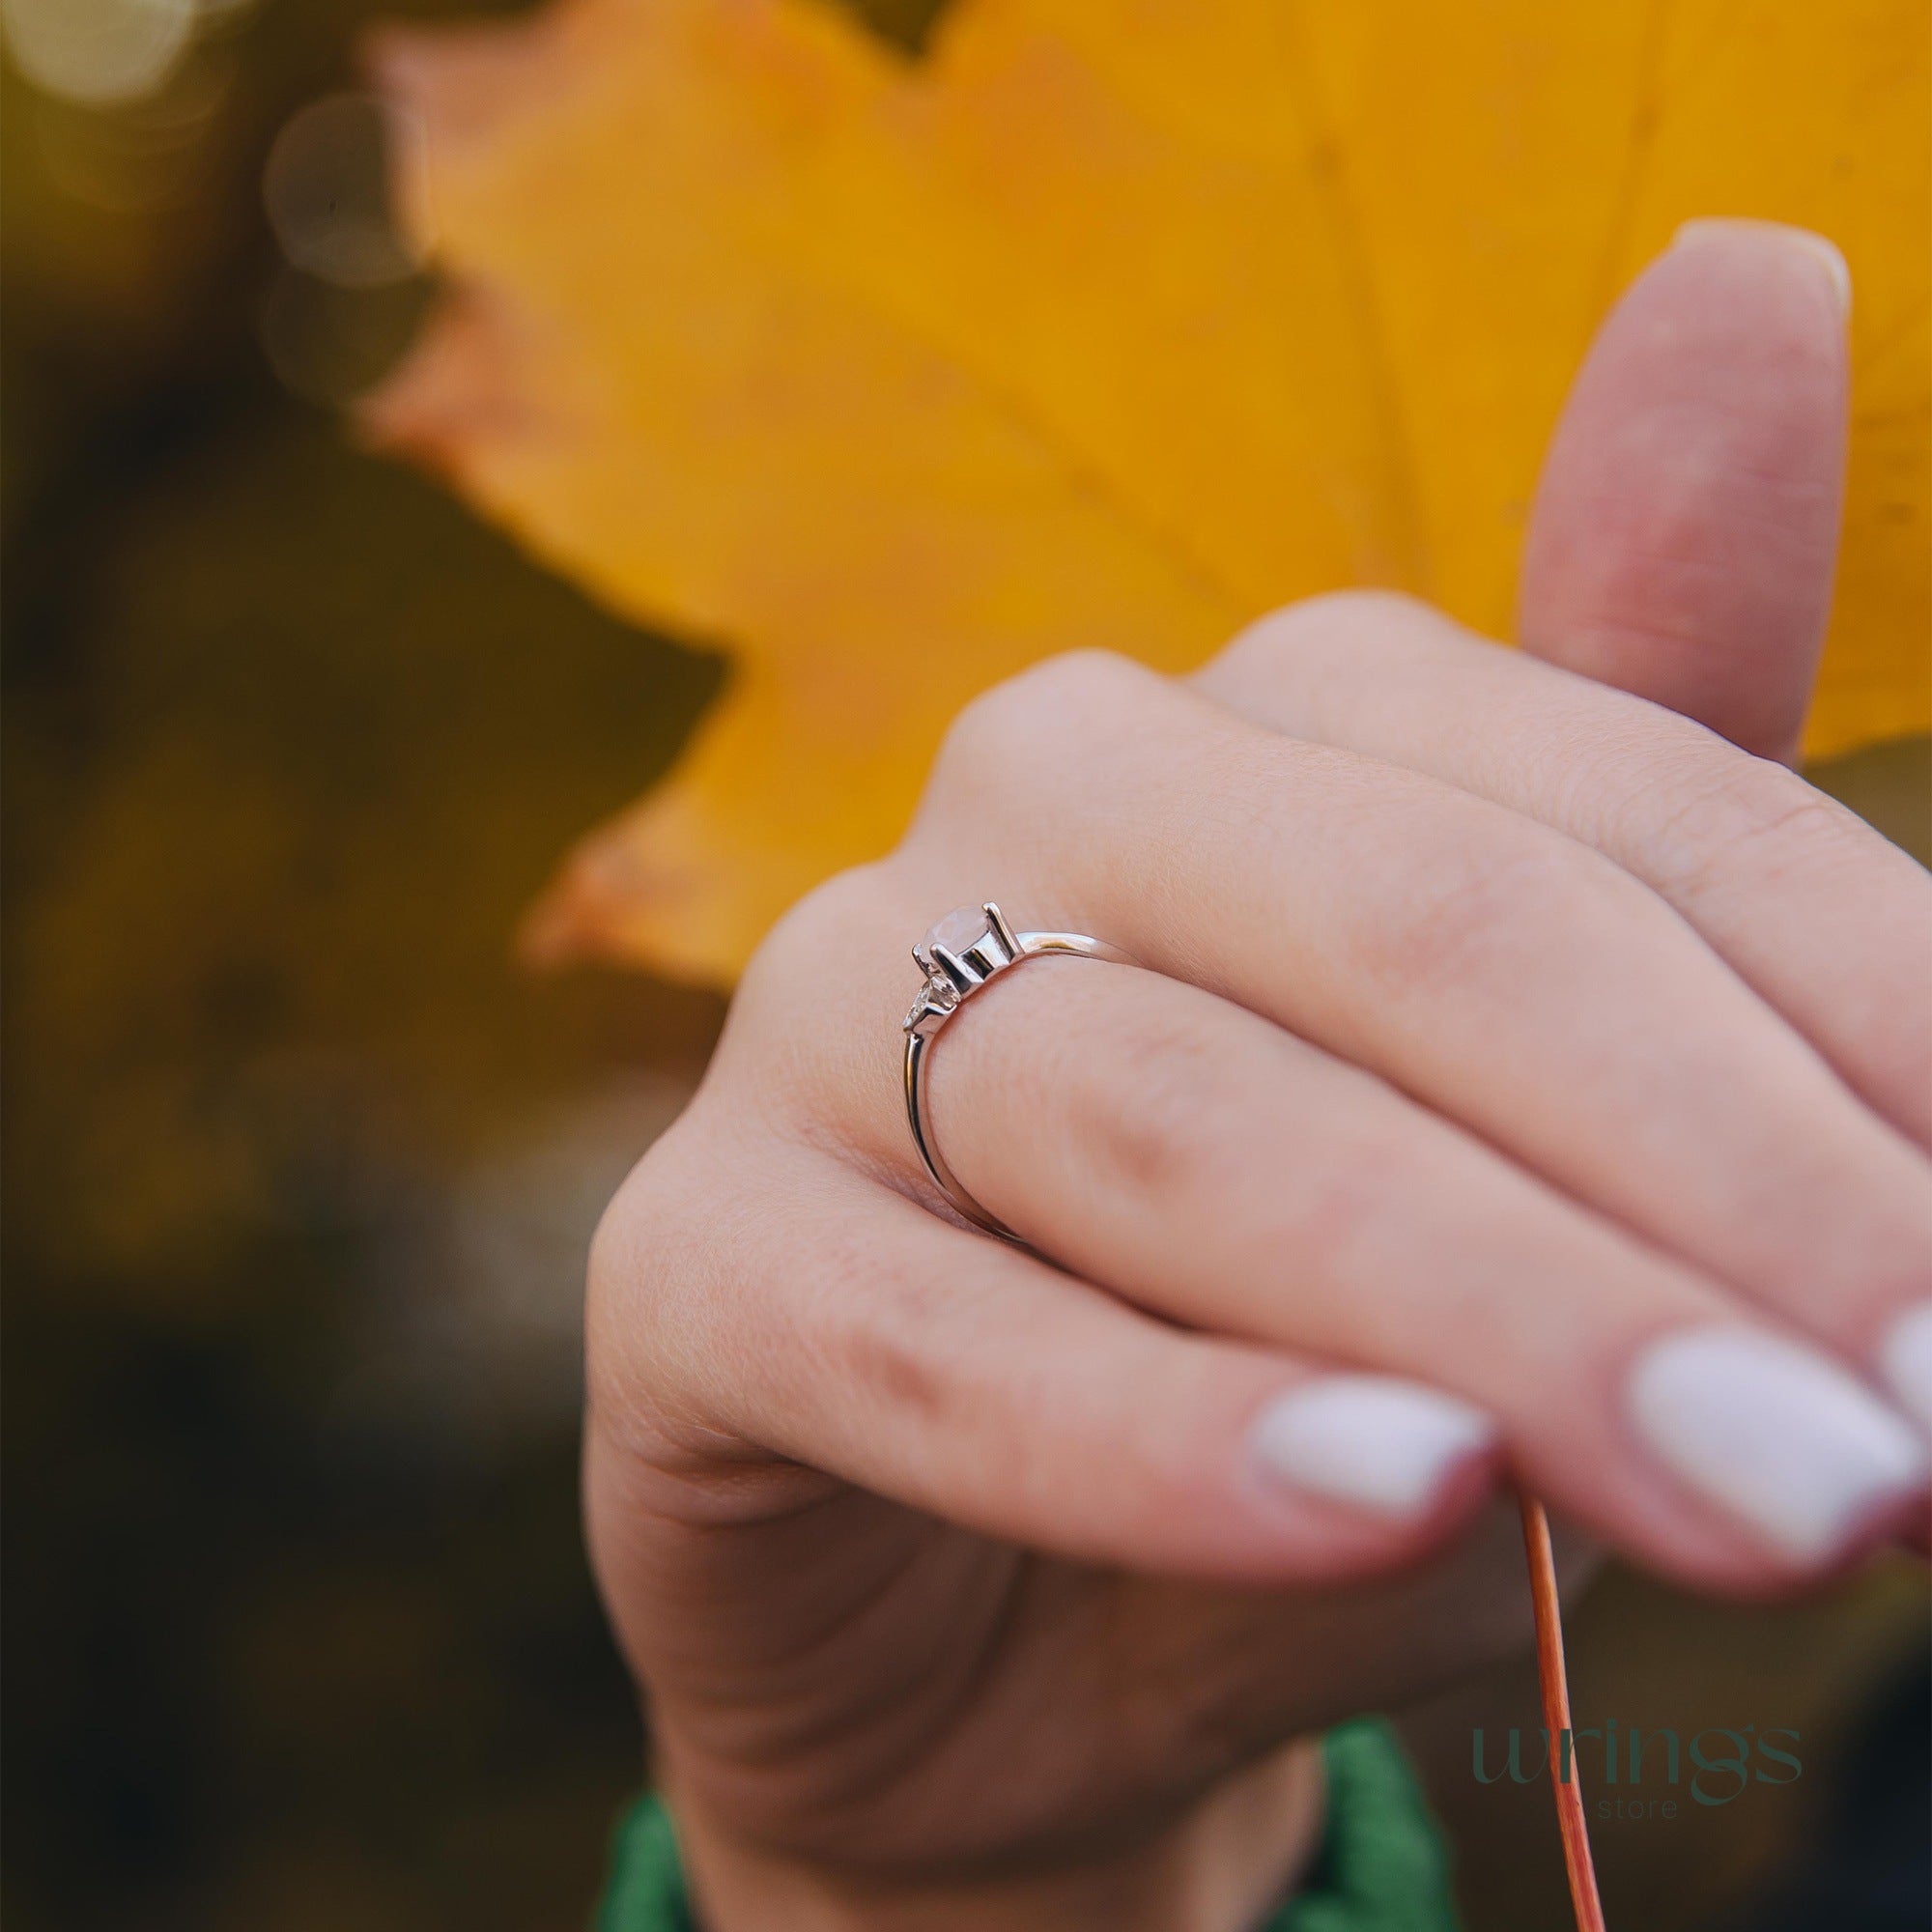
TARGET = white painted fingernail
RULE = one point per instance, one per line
(1372, 1441)
(1775, 1435)
(1907, 1361)
(1822, 249)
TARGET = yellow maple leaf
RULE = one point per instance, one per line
(1105, 322)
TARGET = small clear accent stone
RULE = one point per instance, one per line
(936, 999)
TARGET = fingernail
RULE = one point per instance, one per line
(1775, 1435)
(1907, 1361)
(1371, 1441)
(1812, 242)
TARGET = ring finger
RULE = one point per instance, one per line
(1500, 973)
(1219, 1172)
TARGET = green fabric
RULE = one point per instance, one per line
(1381, 1867)
(645, 1892)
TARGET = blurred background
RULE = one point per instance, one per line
(300, 1166)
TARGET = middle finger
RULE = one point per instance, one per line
(1501, 973)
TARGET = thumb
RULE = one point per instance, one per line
(1686, 525)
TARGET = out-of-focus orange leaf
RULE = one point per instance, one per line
(1100, 324)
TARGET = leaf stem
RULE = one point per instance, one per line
(1569, 1816)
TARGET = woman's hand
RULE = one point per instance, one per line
(1516, 1077)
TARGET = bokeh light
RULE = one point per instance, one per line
(148, 154)
(99, 52)
(326, 188)
(329, 344)
(346, 305)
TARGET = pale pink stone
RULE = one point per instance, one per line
(959, 931)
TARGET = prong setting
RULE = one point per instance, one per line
(965, 950)
(996, 921)
(955, 969)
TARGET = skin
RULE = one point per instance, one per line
(1498, 1013)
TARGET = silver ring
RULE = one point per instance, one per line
(965, 951)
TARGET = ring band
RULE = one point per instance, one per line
(959, 956)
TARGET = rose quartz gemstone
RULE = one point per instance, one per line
(958, 931)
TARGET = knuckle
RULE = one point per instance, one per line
(1367, 607)
(1162, 1122)
(634, 1264)
(1469, 912)
(660, 1247)
(1743, 812)
(668, 1271)
(1009, 724)
(782, 1059)
(1178, 1124)
(630, 1278)
(1305, 627)
(847, 901)
(1069, 685)
(1337, 1205)
(889, 1356)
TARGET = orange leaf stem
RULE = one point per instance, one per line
(1570, 1819)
